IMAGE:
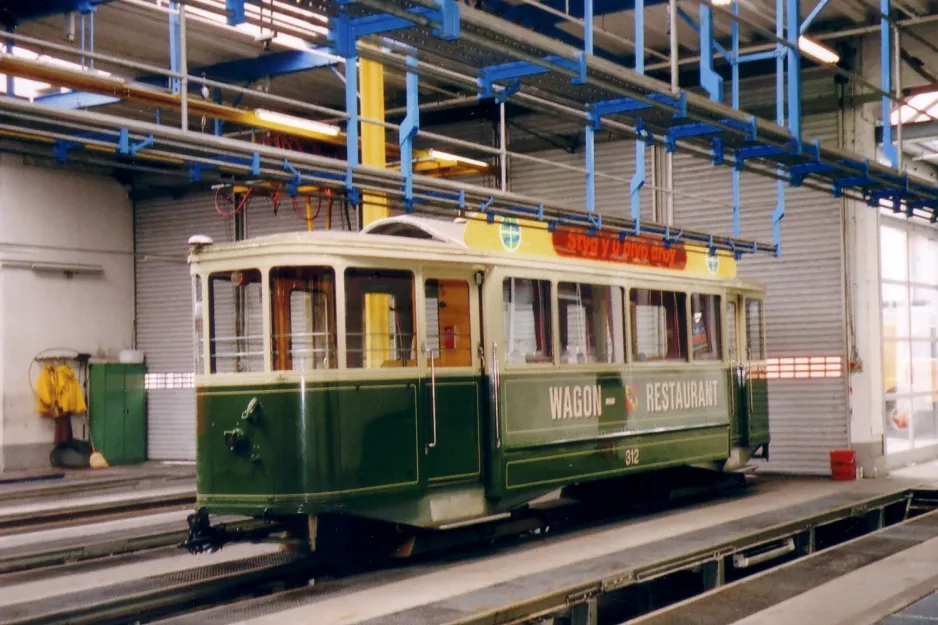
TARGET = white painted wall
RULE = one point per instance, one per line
(56, 216)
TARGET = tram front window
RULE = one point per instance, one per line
(379, 318)
(236, 306)
(303, 318)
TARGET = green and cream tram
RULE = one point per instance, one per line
(429, 373)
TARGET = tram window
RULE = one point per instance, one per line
(527, 321)
(659, 329)
(590, 324)
(379, 318)
(302, 315)
(705, 326)
(754, 339)
(448, 322)
(237, 335)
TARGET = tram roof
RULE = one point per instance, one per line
(502, 238)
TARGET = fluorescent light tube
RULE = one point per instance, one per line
(446, 156)
(721, 3)
(297, 122)
(817, 51)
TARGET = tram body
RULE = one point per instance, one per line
(429, 373)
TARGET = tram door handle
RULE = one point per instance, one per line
(429, 352)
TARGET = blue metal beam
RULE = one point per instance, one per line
(26, 10)
(813, 14)
(792, 10)
(734, 102)
(716, 44)
(709, 79)
(408, 131)
(779, 212)
(885, 50)
(241, 70)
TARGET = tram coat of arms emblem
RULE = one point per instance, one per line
(631, 398)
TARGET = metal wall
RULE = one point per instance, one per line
(805, 307)
(260, 218)
(568, 187)
(164, 314)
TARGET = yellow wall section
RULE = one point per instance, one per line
(535, 240)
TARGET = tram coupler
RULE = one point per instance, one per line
(204, 537)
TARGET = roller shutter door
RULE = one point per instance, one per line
(805, 306)
(568, 187)
(261, 220)
(162, 228)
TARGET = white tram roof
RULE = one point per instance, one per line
(475, 237)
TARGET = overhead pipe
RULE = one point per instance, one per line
(119, 88)
(380, 180)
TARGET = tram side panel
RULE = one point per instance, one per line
(306, 448)
(558, 428)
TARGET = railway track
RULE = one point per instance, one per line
(35, 516)
(625, 585)
(160, 536)
(282, 578)
(162, 596)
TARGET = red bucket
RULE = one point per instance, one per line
(843, 464)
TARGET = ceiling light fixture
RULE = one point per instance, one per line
(817, 51)
(446, 156)
(297, 122)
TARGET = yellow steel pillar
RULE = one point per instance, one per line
(374, 207)
(373, 137)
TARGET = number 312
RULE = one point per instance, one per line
(631, 456)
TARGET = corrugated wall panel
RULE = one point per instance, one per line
(568, 187)
(260, 219)
(164, 316)
(804, 301)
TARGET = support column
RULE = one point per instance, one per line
(374, 152)
(374, 206)
(863, 298)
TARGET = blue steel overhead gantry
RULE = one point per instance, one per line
(511, 60)
(502, 60)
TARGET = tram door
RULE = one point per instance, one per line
(745, 325)
(451, 418)
(757, 392)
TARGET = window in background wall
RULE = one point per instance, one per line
(659, 328)
(590, 324)
(237, 339)
(526, 306)
(909, 267)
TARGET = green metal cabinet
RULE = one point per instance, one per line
(118, 412)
